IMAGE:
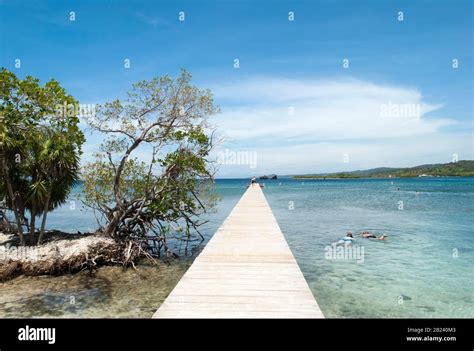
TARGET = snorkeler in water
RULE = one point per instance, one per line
(347, 240)
(368, 235)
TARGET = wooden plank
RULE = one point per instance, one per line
(246, 270)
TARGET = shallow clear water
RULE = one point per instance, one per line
(109, 293)
(424, 268)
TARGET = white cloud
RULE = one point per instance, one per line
(377, 125)
(330, 156)
(323, 110)
(331, 118)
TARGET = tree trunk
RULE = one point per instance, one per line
(45, 215)
(11, 193)
(32, 227)
(112, 226)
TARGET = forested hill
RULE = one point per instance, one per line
(454, 169)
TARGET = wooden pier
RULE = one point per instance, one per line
(246, 270)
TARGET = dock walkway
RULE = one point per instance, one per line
(246, 270)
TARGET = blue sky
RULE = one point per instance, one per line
(335, 123)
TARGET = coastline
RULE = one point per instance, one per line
(78, 276)
(456, 168)
(107, 292)
(385, 178)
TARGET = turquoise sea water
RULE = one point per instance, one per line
(424, 269)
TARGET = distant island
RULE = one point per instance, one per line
(269, 176)
(453, 169)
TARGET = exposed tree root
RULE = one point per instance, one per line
(65, 255)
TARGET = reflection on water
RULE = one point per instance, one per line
(111, 292)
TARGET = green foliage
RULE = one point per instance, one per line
(40, 146)
(165, 120)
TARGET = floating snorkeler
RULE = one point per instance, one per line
(347, 240)
(368, 235)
